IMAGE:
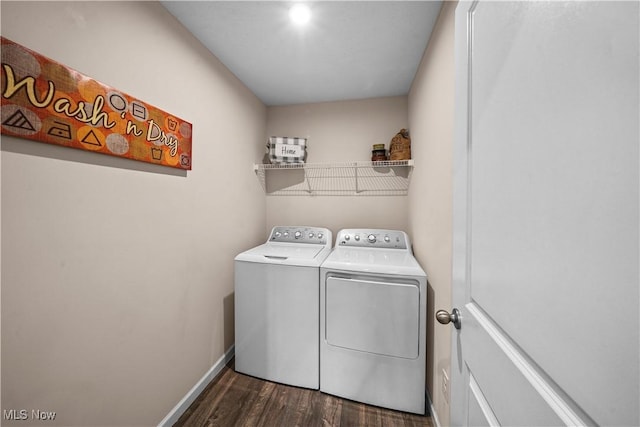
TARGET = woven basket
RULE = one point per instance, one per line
(400, 146)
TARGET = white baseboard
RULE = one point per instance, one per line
(174, 415)
(432, 411)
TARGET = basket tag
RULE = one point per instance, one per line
(286, 150)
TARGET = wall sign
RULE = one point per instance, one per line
(45, 101)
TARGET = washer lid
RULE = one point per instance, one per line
(380, 261)
(284, 253)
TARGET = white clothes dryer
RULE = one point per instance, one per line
(277, 300)
(373, 320)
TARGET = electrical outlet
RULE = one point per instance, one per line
(445, 385)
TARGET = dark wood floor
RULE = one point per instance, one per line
(234, 399)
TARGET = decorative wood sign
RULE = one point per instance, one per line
(45, 101)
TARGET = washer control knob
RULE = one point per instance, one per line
(311, 235)
(387, 239)
(347, 237)
(357, 237)
(297, 235)
(320, 235)
(278, 234)
(371, 238)
(286, 234)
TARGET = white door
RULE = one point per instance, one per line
(545, 262)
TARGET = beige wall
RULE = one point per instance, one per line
(339, 132)
(431, 119)
(117, 276)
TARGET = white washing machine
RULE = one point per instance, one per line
(277, 300)
(373, 320)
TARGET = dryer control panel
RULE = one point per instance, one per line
(301, 234)
(373, 238)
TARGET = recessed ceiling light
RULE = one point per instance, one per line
(300, 13)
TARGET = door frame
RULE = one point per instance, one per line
(460, 201)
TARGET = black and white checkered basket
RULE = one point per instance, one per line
(283, 149)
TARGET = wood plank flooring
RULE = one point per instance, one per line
(234, 399)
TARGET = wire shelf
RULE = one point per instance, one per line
(381, 178)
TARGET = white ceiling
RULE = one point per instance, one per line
(349, 49)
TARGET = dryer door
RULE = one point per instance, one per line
(373, 316)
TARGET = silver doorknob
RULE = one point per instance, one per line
(444, 317)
